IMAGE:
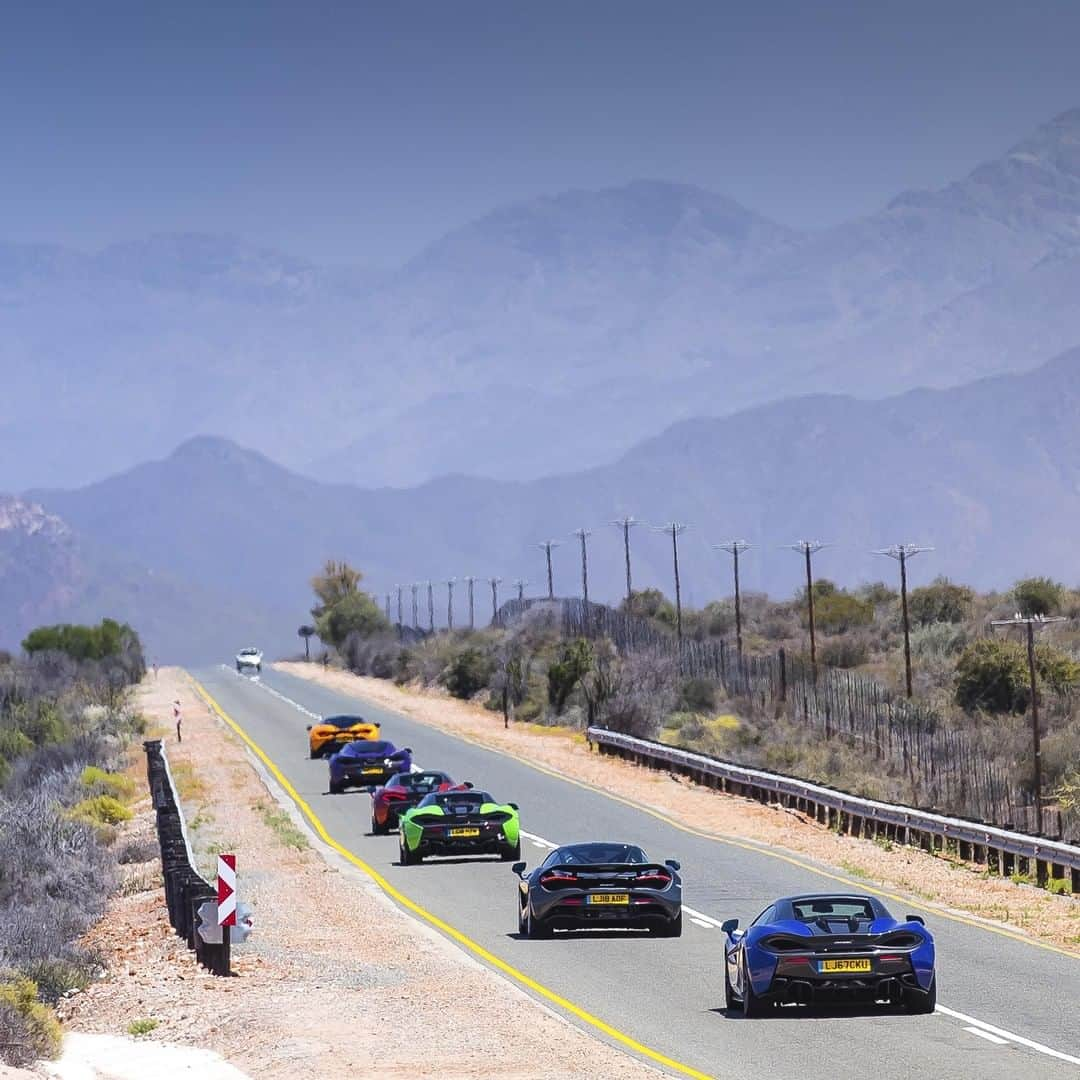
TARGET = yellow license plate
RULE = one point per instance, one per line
(369, 772)
(608, 898)
(464, 832)
(854, 966)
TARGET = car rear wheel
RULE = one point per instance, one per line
(522, 925)
(535, 928)
(920, 1003)
(376, 828)
(405, 856)
(336, 788)
(673, 928)
(752, 1005)
(731, 1002)
(511, 854)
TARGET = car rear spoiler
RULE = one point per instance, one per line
(608, 868)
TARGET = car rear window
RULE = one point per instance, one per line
(838, 907)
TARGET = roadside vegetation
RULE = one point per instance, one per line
(65, 720)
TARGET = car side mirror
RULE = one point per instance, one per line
(407, 750)
(518, 868)
(309, 727)
(513, 806)
(729, 926)
(468, 784)
(673, 863)
(915, 918)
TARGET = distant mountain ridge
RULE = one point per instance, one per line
(562, 330)
(976, 470)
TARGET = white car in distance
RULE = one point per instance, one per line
(249, 658)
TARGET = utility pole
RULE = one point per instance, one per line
(734, 548)
(1030, 622)
(387, 607)
(415, 620)
(676, 529)
(399, 618)
(430, 607)
(547, 545)
(626, 523)
(494, 583)
(808, 549)
(520, 584)
(583, 535)
(450, 603)
(901, 553)
(472, 622)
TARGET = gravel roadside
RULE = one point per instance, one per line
(335, 981)
(944, 881)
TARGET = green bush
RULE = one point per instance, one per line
(575, 660)
(54, 978)
(844, 652)
(993, 675)
(697, 695)
(142, 1027)
(940, 601)
(29, 1030)
(1038, 596)
(354, 613)
(101, 782)
(835, 610)
(100, 810)
(467, 673)
(108, 638)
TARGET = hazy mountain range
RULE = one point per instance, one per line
(988, 472)
(550, 336)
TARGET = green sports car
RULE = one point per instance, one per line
(459, 823)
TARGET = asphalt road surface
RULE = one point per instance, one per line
(1007, 1008)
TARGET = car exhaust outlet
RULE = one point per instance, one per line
(801, 993)
(890, 990)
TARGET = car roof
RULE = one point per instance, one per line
(786, 902)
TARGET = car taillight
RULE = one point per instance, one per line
(784, 945)
(390, 793)
(557, 878)
(653, 879)
(902, 940)
(890, 957)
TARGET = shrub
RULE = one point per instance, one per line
(28, 1030)
(1038, 596)
(939, 639)
(55, 977)
(877, 593)
(100, 810)
(993, 675)
(354, 613)
(697, 695)
(575, 659)
(642, 694)
(467, 673)
(142, 1027)
(837, 611)
(940, 601)
(844, 652)
(106, 783)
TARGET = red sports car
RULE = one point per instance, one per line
(403, 791)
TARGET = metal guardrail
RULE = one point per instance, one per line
(186, 890)
(1008, 852)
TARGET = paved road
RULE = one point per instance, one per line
(1008, 1008)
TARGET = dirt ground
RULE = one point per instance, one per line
(936, 880)
(335, 981)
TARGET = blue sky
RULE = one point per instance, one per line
(360, 131)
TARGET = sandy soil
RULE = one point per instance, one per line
(936, 880)
(335, 981)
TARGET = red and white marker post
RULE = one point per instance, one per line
(226, 890)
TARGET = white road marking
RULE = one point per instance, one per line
(987, 1036)
(1008, 1036)
(996, 1035)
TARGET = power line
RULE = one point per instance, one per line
(626, 524)
(735, 548)
(676, 529)
(1030, 622)
(808, 549)
(901, 553)
(547, 545)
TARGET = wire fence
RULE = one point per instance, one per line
(943, 768)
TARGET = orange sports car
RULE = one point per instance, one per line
(331, 733)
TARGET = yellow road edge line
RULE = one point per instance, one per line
(452, 932)
(758, 848)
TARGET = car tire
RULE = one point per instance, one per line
(752, 1006)
(535, 929)
(673, 928)
(731, 1002)
(336, 789)
(238, 667)
(511, 854)
(376, 828)
(921, 1004)
(315, 754)
(522, 927)
(405, 856)
(258, 668)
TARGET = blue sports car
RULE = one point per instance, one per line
(367, 763)
(828, 947)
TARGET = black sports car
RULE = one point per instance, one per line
(602, 885)
(829, 946)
